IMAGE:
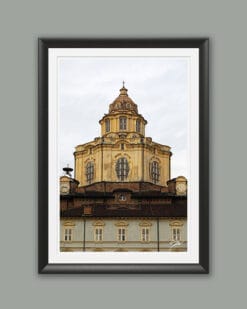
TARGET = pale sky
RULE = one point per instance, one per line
(158, 85)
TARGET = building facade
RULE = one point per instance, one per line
(121, 197)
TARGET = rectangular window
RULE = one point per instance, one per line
(155, 171)
(90, 171)
(123, 123)
(107, 125)
(121, 234)
(176, 234)
(138, 125)
(68, 234)
(98, 236)
(122, 168)
(145, 234)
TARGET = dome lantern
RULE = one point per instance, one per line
(123, 102)
(123, 90)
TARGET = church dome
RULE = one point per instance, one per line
(123, 102)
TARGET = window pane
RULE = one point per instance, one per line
(90, 171)
(155, 172)
(138, 126)
(122, 123)
(121, 234)
(176, 234)
(122, 168)
(98, 234)
(107, 125)
(68, 234)
(145, 234)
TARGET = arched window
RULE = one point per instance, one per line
(138, 125)
(155, 171)
(122, 168)
(90, 171)
(107, 125)
(122, 123)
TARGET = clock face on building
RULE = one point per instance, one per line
(181, 187)
(122, 197)
(64, 188)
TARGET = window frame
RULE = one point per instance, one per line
(98, 237)
(69, 234)
(155, 171)
(121, 233)
(122, 168)
(138, 125)
(89, 171)
(176, 231)
(122, 123)
(145, 237)
(107, 125)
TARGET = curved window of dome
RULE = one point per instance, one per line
(122, 168)
(138, 125)
(90, 171)
(122, 123)
(107, 125)
(155, 171)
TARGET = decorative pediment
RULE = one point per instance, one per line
(122, 223)
(121, 154)
(89, 159)
(155, 158)
(99, 223)
(145, 223)
(176, 223)
(69, 223)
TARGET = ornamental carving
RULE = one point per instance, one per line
(145, 224)
(123, 105)
(69, 223)
(122, 223)
(176, 223)
(98, 223)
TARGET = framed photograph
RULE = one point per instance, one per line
(123, 156)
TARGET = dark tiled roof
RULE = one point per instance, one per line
(89, 194)
(143, 200)
(172, 210)
(150, 194)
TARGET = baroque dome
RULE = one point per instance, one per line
(123, 102)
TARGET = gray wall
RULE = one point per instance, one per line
(21, 23)
(132, 236)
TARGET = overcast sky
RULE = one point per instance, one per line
(158, 85)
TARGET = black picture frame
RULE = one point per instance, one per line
(44, 267)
